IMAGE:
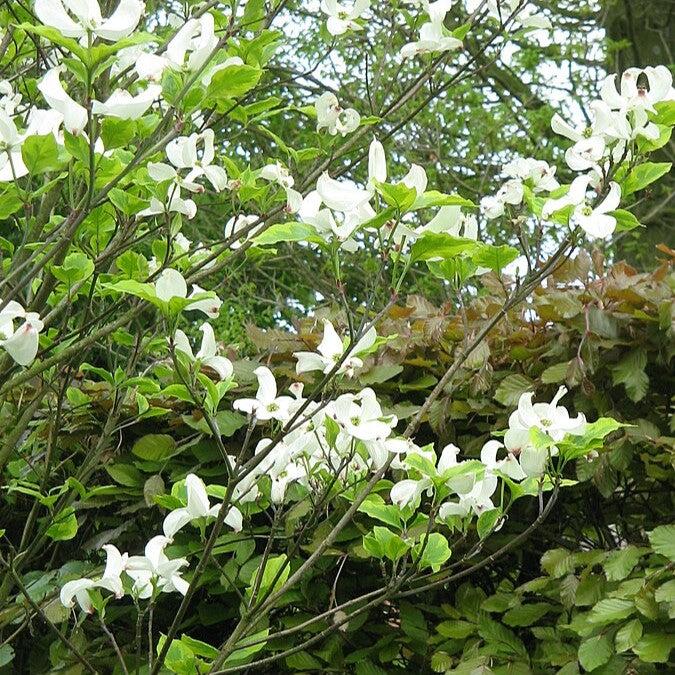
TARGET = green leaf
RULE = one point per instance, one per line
(630, 372)
(435, 551)
(40, 154)
(274, 567)
(494, 257)
(6, 655)
(200, 648)
(434, 198)
(611, 610)
(375, 507)
(244, 653)
(555, 373)
(595, 651)
(655, 647)
(511, 388)
(286, 232)
(117, 133)
(125, 474)
(619, 564)
(665, 113)
(574, 446)
(648, 145)
(76, 267)
(665, 592)
(398, 195)
(77, 146)
(662, 540)
(526, 615)
(383, 543)
(625, 220)
(432, 245)
(461, 32)
(628, 635)
(154, 447)
(487, 521)
(64, 526)
(557, 562)
(500, 637)
(127, 203)
(10, 202)
(179, 657)
(54, 36)
(413, 623)
(303, 661)
(643, 175)
(233, 81)
(456, 629)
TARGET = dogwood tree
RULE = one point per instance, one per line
(154, 152)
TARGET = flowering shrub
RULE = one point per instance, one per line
(128, 136)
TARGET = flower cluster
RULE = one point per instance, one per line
(154, 572)
(434, 36)
(521, 172)
(475, 482)
(619, 118)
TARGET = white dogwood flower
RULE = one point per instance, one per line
(266, 405)
(173, 203)
(78, 589)
(185, 153)
(21, 343)
(632, 94)
(126, 106)
(331, 349)
(155, 571)
(342, 18)
(12, 165)
(198, 506)
(172, 284)
(596, 222)
(207, 353)
(433, 38)
(330, 115)
(86, 18)
(361, 416)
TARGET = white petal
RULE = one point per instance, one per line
(561, 127)
(234, 519)
(340, 196)
(74, 115)
(609, 93)
(123, 105)
(611, 201)
(416, 179)
(267, 386)
(533, 461)
(331, 344)
(210, 306)
(406, 492)
(309, 361)
(78, 589)
(171, 284)
(660, 81)
(122, 21)
(52, 13)
(197, 500)
(222, 366)
(160, 172)
(377, 162)
(208, 346)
